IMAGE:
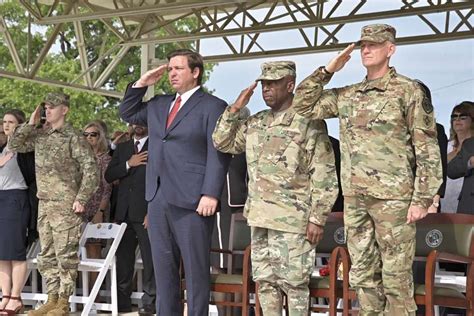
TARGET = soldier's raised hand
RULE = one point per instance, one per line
(338, 62)
(243, 98)
(35, 116)
(151, 76)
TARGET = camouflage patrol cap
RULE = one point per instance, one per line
(57, 98)
(276, 70)
(377, 33)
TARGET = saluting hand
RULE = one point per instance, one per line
(138, 159)
(151, 76)
(314, 233)
(244, 98)
(35, 116)
(338, 62)
(416, 213)
(207, 205)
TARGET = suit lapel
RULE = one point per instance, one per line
(186, 108)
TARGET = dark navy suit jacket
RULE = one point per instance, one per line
(457, 168)
(181, 159)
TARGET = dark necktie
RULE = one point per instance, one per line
(173, 112)
(136, 146)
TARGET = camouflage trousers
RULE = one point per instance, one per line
(382, 248)
(282, 261)
(59, 232)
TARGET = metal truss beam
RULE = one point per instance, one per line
(61, 84)
(315, 22)
(228, 29)
(161, 9)
(327, 48)
(11, 46)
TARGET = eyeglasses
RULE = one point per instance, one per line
(461, 117)
(91, 134)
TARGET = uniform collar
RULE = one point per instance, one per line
(62, 130)
(284, 117)
(379, 83)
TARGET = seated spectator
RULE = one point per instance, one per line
(462, 128)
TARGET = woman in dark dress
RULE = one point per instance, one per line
(16, 174)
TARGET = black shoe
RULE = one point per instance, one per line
(146, 310)
(125, 309)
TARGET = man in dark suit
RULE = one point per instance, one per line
(128, 166)
(463, 166)
(184, 178)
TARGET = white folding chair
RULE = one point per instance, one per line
(30, 294)
(99, 231)
(138, 273)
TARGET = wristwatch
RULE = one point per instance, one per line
(326, 71)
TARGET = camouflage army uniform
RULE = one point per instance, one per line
(66, 172)
(390, 160)
(292, 180)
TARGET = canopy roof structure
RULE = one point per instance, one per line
(228, 30)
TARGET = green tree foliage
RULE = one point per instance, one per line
(62, 63)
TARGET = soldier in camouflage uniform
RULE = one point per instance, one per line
(391, 167)
(292, 187)
(66, 175)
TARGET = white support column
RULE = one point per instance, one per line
(148, 54)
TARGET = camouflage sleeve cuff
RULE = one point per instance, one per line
(228, 116)
(322, 76)
(81, 200)
(422, 202)
(319, 220)
(26, 128)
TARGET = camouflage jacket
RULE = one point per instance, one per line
(388, 135)
(292, 177)
(65, 164)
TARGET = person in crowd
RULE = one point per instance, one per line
(390, 165)
(233, 199)
(17, 185)
(443, 148)
(67, 176)
(462, 128)
(292, 186)
(462, 165)
(118, 137)
(339, 204)
(3, 138)
(184, 178)
(128, 167)
(96, 209)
